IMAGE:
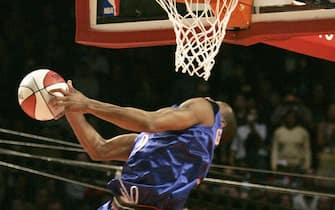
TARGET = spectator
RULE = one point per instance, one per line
(247, 147)
(55, 205)
(291, 101)
(326, 204)
(326, 131)
(305, 202)
(241, 108)
(75, 194)
(256, 150)
(291, 145)
(19, 204)
(317, 102)
(285, 201)
(326, 145)
(42, 198)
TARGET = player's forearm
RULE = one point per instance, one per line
(125, 117)
(86, 134)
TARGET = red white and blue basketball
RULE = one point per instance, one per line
(35, 93)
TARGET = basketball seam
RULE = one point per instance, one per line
(28, 88)
(44, 88)
(33, 92)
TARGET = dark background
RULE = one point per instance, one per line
(40, 34)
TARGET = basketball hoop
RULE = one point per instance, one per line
(199, 31)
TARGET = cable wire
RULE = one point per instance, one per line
(53, 176)
(32, 136)
(37, 145)
(267, 187)
(60, 160)
(105, 166)
(95, 165)
(273, 172)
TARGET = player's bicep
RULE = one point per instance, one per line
(188, 114)
(177, 119)
(118, 148)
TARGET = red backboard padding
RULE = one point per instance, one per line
(308, 45)
(299, 36)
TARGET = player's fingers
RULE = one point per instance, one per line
(70, 85)
(71, 88)
(52, 102)
(58, 92)
(60, 115)
(57, 101)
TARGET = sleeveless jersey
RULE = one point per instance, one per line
(165, 166)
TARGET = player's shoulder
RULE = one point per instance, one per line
(196, 102)
(200, 107)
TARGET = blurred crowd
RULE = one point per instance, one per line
(284, 103)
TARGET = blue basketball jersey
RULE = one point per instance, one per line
(165, 166)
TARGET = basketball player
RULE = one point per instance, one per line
(171, 154)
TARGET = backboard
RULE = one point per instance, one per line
(139, 23)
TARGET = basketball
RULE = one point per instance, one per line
(34, 94)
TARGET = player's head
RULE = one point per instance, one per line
(228, 121)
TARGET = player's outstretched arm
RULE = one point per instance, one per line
(191, 112)
(97, 147)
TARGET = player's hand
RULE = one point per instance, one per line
(72, 101)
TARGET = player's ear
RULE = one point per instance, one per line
(229, 130)
(229, 122)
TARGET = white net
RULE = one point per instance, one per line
(199, 32)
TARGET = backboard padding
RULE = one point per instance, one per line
(265, 27)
